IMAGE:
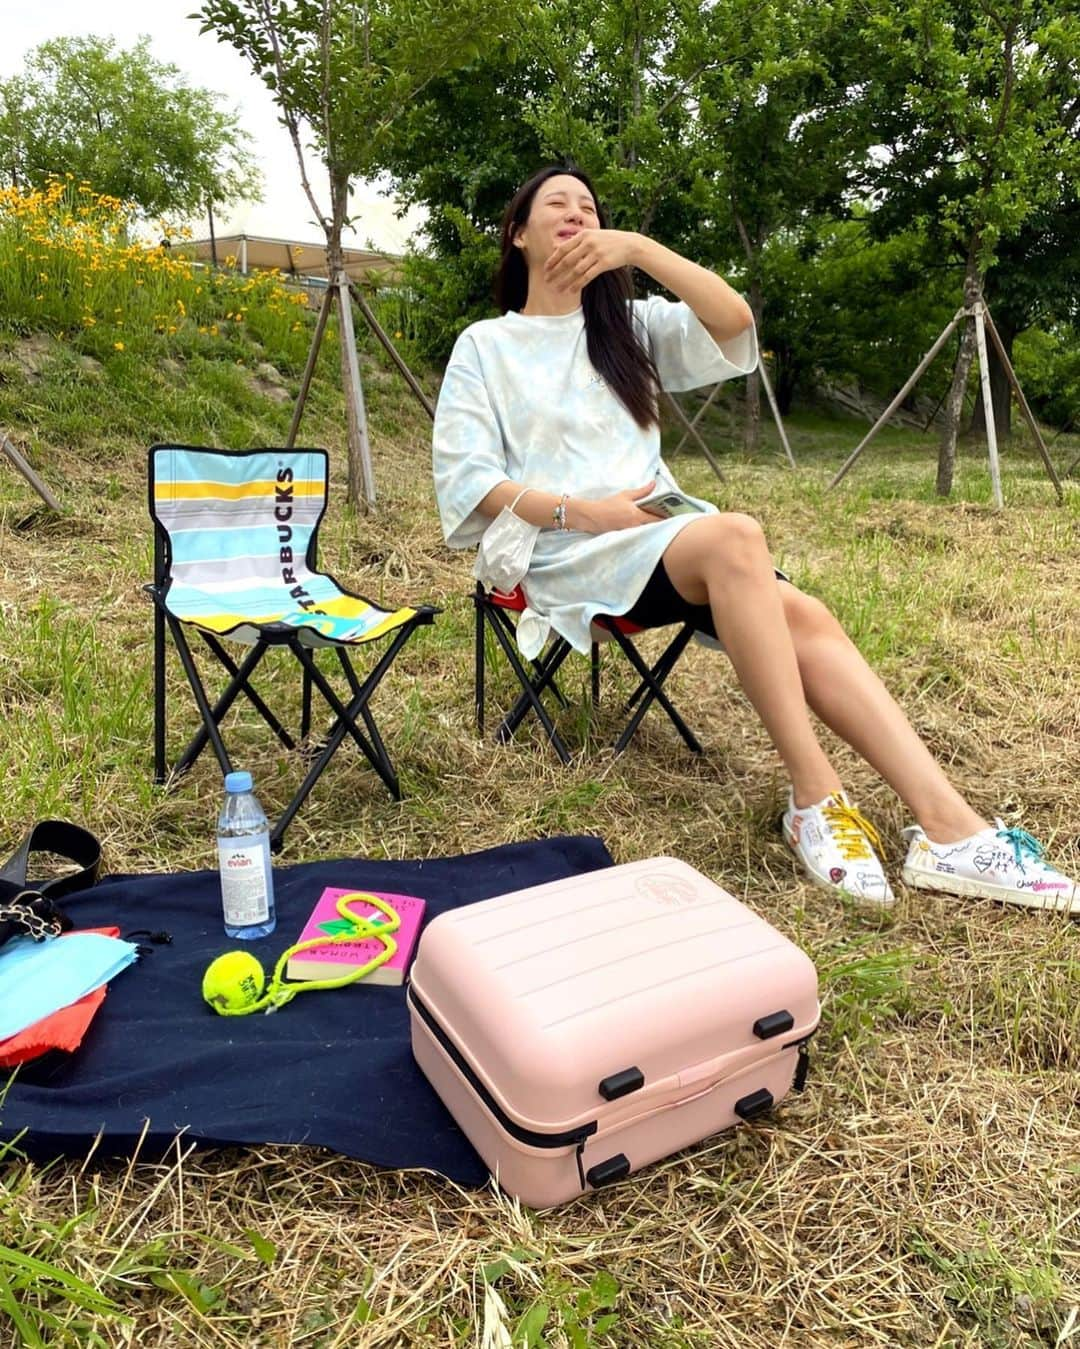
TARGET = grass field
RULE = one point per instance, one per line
(924, 1190)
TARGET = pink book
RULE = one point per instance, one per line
(330, 962)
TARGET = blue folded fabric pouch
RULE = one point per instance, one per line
(37, 978)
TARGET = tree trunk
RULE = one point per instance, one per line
(353, 433)
(635, 100)
(752, 423)
(355, 420)
(752, 250)
(1000, 389)
(353, 478)
(213, 240)
(785, 384)
(954, 402)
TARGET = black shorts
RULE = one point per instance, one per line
(660, 603)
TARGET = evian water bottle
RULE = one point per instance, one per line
(247, 882)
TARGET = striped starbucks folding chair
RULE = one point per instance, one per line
(235, 540)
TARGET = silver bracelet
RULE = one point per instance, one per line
(558, 515)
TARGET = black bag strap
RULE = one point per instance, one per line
(32, 908)
(63, 839)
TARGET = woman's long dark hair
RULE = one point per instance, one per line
(614, 347)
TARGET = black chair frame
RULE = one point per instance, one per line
(539, 677)
(270, 635)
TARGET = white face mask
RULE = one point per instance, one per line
(506, 549)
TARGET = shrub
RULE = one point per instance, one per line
(70, 265)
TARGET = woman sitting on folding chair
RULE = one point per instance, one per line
(547, 439)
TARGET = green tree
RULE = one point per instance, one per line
(709, 127)
(617, 93)
(127, 124)
(608, 85)
(593, 82)
(343, 74)
(1048, 363)
(460, 150)
(1034, 281)
(777, 141)
(976, 114)
(841, 304)
(464, 141)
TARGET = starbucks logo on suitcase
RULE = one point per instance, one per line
(670, 892)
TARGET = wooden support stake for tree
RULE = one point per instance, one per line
(691, 426)
(309, 368)
(693, 432)
(363, 491)
(915, 377)
(983, 322)
(392, 351)
(933, 416)
(1010, 373)
(698, 416)
(988, 406)
(28, 473)
(767, 383)
(344, 294)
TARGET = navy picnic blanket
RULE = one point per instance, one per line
(332, 1069)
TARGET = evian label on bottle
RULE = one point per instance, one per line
(245, 880)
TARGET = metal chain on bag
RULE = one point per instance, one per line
(33, 914)
(30, 907)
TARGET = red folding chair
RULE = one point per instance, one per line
(500, 613)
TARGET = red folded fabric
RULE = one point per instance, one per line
(63, 1029)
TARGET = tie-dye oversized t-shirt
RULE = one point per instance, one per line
(521, 400)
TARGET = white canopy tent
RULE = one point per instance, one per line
(292, 258)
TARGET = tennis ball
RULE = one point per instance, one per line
(233, 982)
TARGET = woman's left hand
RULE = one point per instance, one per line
(579, 260)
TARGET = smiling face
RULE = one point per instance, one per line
(561, 208)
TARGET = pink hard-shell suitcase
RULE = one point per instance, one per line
(581, 1029)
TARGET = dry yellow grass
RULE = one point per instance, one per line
(924, 1191)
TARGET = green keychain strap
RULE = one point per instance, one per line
(279, 991)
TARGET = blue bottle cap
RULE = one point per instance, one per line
(238, 782)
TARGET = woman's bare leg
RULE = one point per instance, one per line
(852, 701)
(788, 650)
(723, 560)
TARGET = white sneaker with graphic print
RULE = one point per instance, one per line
(835, 845)
(999, 863)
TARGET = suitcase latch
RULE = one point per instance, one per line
(802, 1067)
(621, 1083)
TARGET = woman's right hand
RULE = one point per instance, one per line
(619, 511)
